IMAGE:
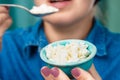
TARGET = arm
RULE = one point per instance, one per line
(5, 22)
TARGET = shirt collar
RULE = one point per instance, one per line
(97, 37)
(36, 38)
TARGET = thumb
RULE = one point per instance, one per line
(94, 73)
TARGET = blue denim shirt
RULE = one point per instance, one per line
(19, 57)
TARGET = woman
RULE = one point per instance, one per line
(75, 20)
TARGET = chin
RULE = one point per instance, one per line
(59, 19)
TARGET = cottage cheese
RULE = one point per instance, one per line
(71, 52)
(42, 9)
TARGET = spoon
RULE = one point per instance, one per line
(39, 11)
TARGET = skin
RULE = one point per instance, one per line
(5, 20)
(68, 23)
(60, 75)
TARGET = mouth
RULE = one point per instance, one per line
(59, 3)
(54, 1)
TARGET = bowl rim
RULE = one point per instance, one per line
(69, 63)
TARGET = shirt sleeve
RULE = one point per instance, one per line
(0, 66)
(2, 57)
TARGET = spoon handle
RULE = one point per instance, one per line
(14, 5)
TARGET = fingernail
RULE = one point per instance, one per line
(45, 71)
(55, 72)
(75, 72)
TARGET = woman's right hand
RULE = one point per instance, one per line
(5, 20)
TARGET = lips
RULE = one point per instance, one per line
(52, 1)
(60, 3)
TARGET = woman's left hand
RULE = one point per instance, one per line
(78, 73)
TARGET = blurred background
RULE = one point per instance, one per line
(109, 14)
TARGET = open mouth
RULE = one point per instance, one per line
(54, 1)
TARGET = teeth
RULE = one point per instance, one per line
(53, 0)
(58, 0)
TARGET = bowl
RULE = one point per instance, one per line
(66, 67)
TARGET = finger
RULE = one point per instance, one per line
(3, 17)
(94, 73)
(80, 74)
(46, 73)
(4, 9)
(58, 74)
(5, 25)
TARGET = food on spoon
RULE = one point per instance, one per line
(42, 9)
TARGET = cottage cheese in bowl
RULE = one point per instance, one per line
(67, 54)
(70, 52)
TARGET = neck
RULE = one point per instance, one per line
(78, 30)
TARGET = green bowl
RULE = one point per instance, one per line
(84, 64)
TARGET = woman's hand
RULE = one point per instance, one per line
(79, 74)
(5, 20)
